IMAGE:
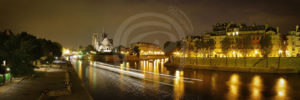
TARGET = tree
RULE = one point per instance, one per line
(170, 47)
(244, 45)
(20, 50)
(136, 50)
(56, 49)
(211, 45)
(265, 46)
(90, 48)
(226, 45)
(199, 46)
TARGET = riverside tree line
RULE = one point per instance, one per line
(21, 50)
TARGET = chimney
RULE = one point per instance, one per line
(277, 29)
(297, 28)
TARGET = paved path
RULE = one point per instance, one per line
(51, 79)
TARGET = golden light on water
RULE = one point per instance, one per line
(233, 84)
(178, 85)
(256, 81)
(281, 82)
(281, 87)
(80, 69)
(156, 77)
(92, 76)
(127, 66)
(213, 81)
(256, 87)
(234, 79)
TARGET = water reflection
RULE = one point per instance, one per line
(92, 75)
(178, 85)
(213, 82)
(233, 84)
(256, 87)
(156, 76)
(281, 87)
(215, 85)
(80, 69)
(122, 66)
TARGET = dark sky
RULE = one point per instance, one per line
(72, 22)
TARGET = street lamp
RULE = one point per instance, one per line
(279, 53)
(4, 63)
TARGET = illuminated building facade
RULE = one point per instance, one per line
(282, 45)
(148, 49)
(293, 42)
(103, 43)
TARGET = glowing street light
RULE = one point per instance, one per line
(256, 52)
(279, 53)
(66, 51)
(4, 63)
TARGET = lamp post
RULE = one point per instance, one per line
(4, 70)
(4, 63)
(279, 56)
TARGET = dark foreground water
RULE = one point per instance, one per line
(152, 81)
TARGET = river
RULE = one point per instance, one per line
(151, 80)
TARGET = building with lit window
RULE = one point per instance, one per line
(293, 42)
(103, 43)
(282, 45)
(233, 31)
(148, 49)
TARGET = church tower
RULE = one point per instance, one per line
(95, 40)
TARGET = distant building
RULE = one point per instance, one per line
(293, 42)
(220, 31)
(103, 43)
(148, 49)
(233, 31)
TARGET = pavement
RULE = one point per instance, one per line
(30, 88)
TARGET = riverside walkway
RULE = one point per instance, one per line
(30, 88)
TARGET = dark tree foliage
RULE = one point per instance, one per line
(211, 45)
(170, 47)
(265, 46)
(244, 45)
(90, 48)
(87, 49)
(226, 46)
(136, 50)
(20, 50)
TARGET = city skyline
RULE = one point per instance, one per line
(69, 21)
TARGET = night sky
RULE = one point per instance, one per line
(72, 22)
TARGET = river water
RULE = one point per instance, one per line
(151, 80)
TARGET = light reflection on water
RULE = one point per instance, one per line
(80, 69)
(231, 86)
(92, 75)
(178, 85)
(256, 87)
(281, 87)
(213, 83)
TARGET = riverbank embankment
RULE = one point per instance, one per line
(256, 65)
